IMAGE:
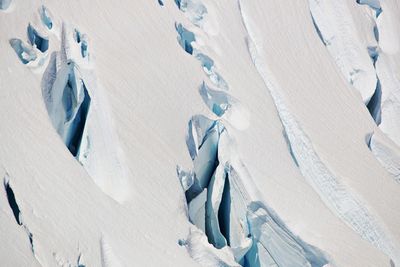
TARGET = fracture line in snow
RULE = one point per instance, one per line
(334, 194)
(12, 201)
(384, 103)
(234, 229)
(75, 102)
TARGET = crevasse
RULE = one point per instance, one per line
(335, 196)
(241, 230)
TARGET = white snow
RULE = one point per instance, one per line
(199, 133)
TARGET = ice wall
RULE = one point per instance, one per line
(337, 197)
(76, 103)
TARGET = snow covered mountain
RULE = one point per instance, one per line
(200, 133)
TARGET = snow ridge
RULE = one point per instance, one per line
(335, 196)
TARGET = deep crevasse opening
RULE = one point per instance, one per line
(236, 229)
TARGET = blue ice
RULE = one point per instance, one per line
(24, 52)
(45, 17)
(217, 101)
(185, 38)
(37, 40)
(4, 4)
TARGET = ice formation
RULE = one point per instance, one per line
(387, 154)
(195, 10)
(76, 105)
(221, 207)
(338, 32)
(380, 41)
(25, 52)
(36, 40)
(336, 196)
(46, 17)
(240, 229)
(16, 210)
(5, 4)
(274, 176)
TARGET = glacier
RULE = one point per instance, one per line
(199, 133)
(340, 200)
(219, 203)
(220, 206)
(71, 97)
(5, 4)
(383, 104)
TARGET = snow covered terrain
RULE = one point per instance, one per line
(200, 133)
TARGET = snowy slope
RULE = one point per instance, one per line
(198, 133)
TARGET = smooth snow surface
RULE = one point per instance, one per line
(200, 133)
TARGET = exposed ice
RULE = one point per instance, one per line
(203, 144)
(195, 10)
(386, 68)
(70, 103)
(84, 46)
(186, 178)
(205, 253)
(4, 4)
(209, 68)
(185, 38)
(274, 245)
(387, 154)
(46, 17)
(77, 107)
(337, 30)
(220, 206)
(384, 103)
(11, 200)
(225, 106)
(374, 4)
(374, 105)
(335, 195)
(26, 53)
(217, 101)
(36, 40)
(16, 210)
(197, 210)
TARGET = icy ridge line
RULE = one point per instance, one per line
(335, 196)
(384, 102)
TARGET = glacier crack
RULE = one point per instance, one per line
(337, 198)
